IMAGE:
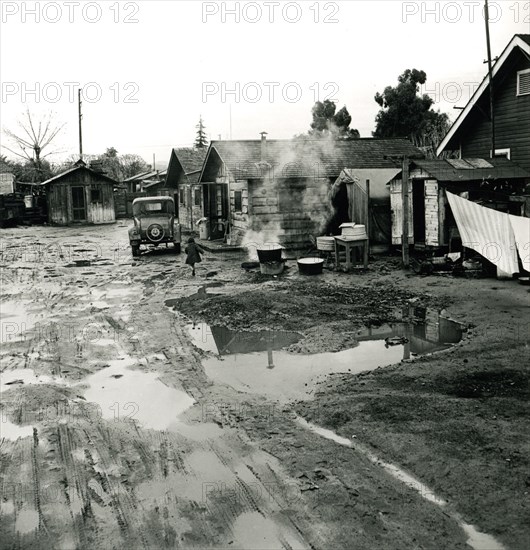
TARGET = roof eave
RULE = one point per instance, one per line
(516, 41)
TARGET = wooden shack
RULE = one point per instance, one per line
(183, 173)
(497, 183)
(80, 195)
(280, 190)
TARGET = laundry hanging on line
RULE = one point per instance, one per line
(521, 231)
(487, 231)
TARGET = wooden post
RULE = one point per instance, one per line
(80, 124)
(405, 207)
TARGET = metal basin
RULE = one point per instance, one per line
(310, 266)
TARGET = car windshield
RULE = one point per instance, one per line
(154, 208)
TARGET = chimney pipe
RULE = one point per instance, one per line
(263, 146)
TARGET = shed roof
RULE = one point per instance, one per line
(472, 169)
(304, 158)
(62, 175)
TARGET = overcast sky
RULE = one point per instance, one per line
(149, 69)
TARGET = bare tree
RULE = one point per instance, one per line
(35, 135)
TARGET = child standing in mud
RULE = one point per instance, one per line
(193, 252)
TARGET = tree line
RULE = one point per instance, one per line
(404, 113)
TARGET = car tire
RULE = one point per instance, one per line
(177, 248)
(155, 233)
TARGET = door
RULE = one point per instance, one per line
(418, 210)
(217, 209)
(78, 204)
(397, 212)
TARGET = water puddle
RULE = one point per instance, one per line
(27, 521)
(222, 341)
(15, 321)
(12, 432)
(17, 377)
(256, 362)
(124, 394)
(476, 539)
(252, 531)
(112, 295)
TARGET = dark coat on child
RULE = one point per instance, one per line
(193, 252)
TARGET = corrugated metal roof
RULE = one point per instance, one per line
(467, 170)
(304, 158)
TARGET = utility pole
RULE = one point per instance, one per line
(405, 206)
(492, 117)
(230, 107)
(80, 125)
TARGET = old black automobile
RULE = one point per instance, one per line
(155, 224)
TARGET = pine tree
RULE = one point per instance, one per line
(201, 141)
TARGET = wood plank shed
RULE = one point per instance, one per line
(80, 195)
(368, 191)
(496, 183)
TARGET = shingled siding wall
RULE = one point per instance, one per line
(290, 211)
(432, 218)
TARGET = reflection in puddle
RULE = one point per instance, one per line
(282, 375)
(124, 394)
(255, 361)
(476, 539)
(223, 341)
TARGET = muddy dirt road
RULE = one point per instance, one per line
(128, 422)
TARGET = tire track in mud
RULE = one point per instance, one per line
(103, 467)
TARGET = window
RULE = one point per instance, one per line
(238, 201)
(503, 153)
(523, 82)
(182, 196)
(95, 194)
(197, 196)
(153, 208)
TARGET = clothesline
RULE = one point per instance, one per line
(495, 235)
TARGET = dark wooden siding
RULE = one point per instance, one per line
(512, 119)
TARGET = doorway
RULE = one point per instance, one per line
(216, 209)
(78, 204)
(418, 210)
